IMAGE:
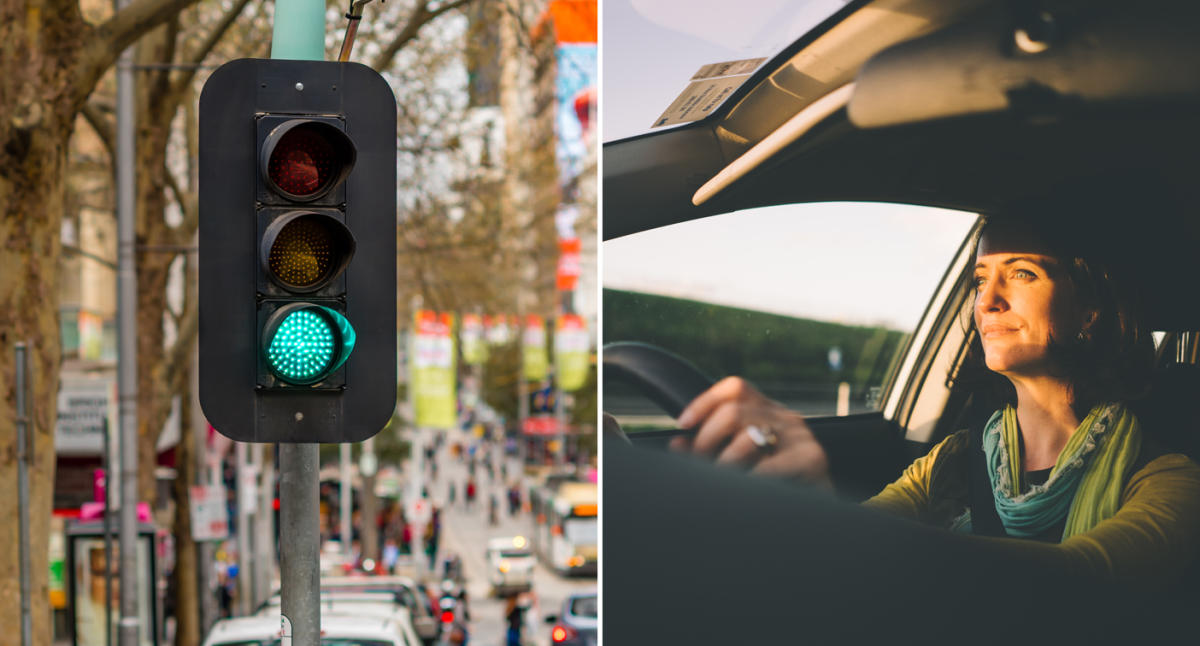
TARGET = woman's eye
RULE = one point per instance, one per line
(1024, 274)
(978, 281)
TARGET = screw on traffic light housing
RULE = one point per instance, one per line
(297, 251)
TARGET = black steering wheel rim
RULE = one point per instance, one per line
(665, 378)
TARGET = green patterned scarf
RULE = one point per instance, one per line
(1085, 484)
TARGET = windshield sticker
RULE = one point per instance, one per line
(730, 68)
(699, 99)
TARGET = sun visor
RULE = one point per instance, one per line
(1038, 63)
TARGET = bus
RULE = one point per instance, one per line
(566, 530)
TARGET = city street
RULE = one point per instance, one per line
(466, 532)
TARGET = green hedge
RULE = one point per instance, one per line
(766, 348)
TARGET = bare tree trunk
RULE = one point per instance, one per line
(52, 60)
(187, 605)
(30, 219)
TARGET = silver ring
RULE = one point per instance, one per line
(765, 439)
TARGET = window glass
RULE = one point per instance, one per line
(580, 530)
(584, 607)
(799, 299)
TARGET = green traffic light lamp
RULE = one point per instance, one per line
(304, 343)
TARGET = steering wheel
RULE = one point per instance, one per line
(665, 378)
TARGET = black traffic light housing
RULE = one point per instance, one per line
(297, 251)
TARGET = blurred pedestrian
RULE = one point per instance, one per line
(405, 537)
(470, 492)
(493, 510)
(433, 535)
(391, 554)
(450, 495)
(514, 499)
(514, 617)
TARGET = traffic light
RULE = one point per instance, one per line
(297, 251)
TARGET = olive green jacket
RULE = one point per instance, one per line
(1153, 538)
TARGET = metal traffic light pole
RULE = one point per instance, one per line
(299, 33)
(129, 630)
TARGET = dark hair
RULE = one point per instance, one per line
(1111, 359)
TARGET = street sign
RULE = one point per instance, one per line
(83, 406)
(210, 516)
(297, 251)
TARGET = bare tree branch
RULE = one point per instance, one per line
(101, 125)
(158, 81)
(419, 18)
(197, 57)
(524, 40)
(179, 356)
(184, 231)
(119, 32)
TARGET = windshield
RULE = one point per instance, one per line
(584, 607)
(580, 530)
(810, 302)
(640, 83)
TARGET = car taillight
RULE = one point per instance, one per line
(562, 633)
(448, 616)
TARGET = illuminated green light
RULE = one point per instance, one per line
(304, 343)
(302, 349)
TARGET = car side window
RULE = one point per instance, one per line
(812, 303)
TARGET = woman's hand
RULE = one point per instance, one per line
(722, 414)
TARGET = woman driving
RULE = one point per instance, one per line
(1062, 460)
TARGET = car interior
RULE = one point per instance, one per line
(1073, 110)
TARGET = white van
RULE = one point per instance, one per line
(510, 565)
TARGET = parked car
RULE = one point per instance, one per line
(510, 565)
(814, 228)
(576, 623)
(401, 592)
(337, 629)
(407, 590)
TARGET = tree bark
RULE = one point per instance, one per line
(29, 265)
(187, 604)
(52, 60)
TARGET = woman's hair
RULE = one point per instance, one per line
(1110, 359)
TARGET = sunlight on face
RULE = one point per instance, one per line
(1023, 301)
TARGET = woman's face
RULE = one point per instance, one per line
(1023, 299)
